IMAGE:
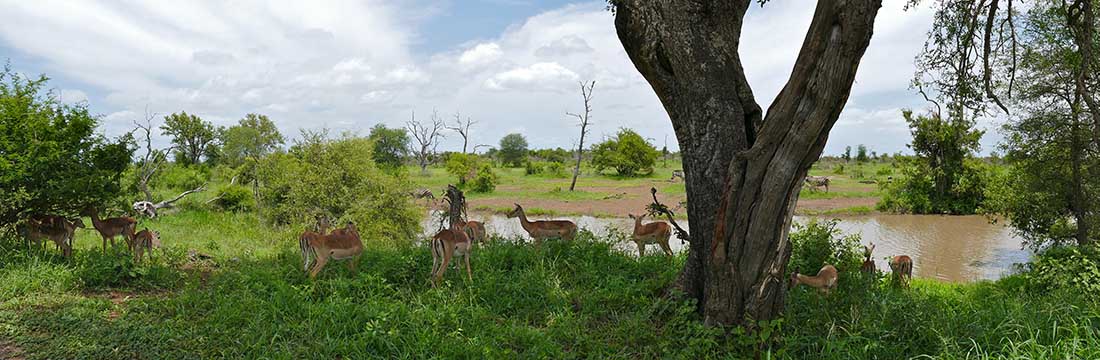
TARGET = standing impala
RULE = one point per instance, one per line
(475, 230)
(823, 282)
(145, 241)
(445, 245)
(651, 233)
(539, 230)
(341, 244)
(868, 264)
(111, 228)
(55, 228)
(902, 265)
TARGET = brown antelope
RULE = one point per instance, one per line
(145, 240)
(55, 228)
(445, 245)
(868, 264)
(651, 233)
(823, 282)
(902, 266)
(341, 244)
(475, 230)
(111, 228)
(539, 230)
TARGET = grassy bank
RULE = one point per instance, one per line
(577, 300)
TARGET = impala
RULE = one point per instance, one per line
(868, 264)
(341, 244)
(651, 233)
(539, 230)
(111, 228)
(145, 240)
(55, 228)
(445, 245)
(902, 266)
(475, 230)
(823, 282)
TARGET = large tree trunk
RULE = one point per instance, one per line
(743, 169)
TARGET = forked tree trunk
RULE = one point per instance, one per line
(743, 169)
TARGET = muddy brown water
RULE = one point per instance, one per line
(949, 248)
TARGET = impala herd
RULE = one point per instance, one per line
(320, 245)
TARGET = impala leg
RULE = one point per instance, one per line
(641, 249)
(436, 248)
(322, 258)
(469, 273)
(666, 248)
(448, 251)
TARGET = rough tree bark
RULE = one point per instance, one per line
(743, 169)
(586, 93)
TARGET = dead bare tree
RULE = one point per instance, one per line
(586, 93)
(427, 136)
(463, 129)
(151, 163)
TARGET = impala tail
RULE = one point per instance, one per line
(308, 253)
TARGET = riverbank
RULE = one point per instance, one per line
(614, 197)
(243, 295)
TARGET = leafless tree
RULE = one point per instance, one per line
(151, 163)
(463, 129)
(427, 136)
(586, 93)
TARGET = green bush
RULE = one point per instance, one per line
(462, 166)
(178, 177)
(337, 178)
(914, 189)
(555, 169)
(628, 153)
(486, 180)
(235, 198)
(820, 242)
(1070, 268)
(117, 269)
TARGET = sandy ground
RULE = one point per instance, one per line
(622, 201)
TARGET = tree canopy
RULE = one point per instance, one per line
(628, 153)
(254, 136)
(192, 137)
(390, 145)
(513, 149)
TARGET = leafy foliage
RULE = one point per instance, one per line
(336, 178)
(390, 145)
(193, 137)
(253, 137)
(486, 180)
(235, 198)
(820, 242)
(462, 166)
(513, 150)
(51, 160)
(943, 177)
(628, 153)
(1065, 268)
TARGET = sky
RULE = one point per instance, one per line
(510, 65)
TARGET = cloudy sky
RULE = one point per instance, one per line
(511, 65)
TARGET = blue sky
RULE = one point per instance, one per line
(512, 65)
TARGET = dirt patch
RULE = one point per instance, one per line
(634, 200)
(10, 351)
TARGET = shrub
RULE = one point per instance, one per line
(337, 178)
(914, 190)
(628, 153)
(462, 166)
(1071, 268)
(555, 169)
(486, 180)
(533, 167)
(235, 198)
(820, 242)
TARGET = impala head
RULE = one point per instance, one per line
(516, 211)
(794, 279)
(867, 251)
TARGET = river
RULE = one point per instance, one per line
(948, 248)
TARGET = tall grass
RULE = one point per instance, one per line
(583, 299)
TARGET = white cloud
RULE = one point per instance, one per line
(349, 64)
(549, 76)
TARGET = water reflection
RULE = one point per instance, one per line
(950, 248)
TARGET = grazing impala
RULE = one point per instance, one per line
(475, 230)
(341, 244)
(902, 265)
(445, 245)
(823, 282)
(651, 233)
(55, 228)
(111, 228)
(539, 230)
(145, 240)
(868, 264)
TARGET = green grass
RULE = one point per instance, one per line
(566, 300)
